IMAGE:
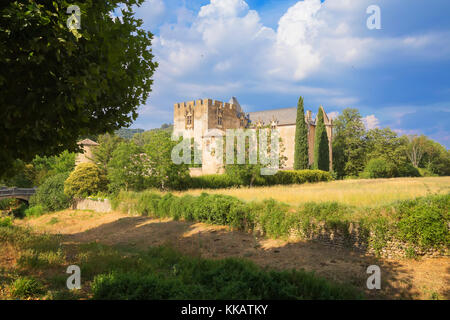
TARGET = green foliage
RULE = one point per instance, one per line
(378, 168)
(213, 181)
(5, 221)
(125, 133)
(248, 173)
(298, 177)
(436, 158)
(6, 204)
(26, 287)
(301, 156)
(50, 194)
(321, 146)
(86, 179)
(35, 211)
(76, 83)
(165, 174)
(349, 146)
(282, 177)
(195, 278)
(102, 154)
(424, 221)
(127, 168)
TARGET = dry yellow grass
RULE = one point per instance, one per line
(372, 192)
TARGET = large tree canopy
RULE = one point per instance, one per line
(59, 84)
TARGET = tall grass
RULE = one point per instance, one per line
(373, 192)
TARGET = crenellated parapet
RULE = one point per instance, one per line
(206, 103)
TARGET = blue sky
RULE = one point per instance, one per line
(268, 53)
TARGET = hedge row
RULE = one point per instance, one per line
(218, 181)
(421, 222)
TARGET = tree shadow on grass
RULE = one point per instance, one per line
(198, 239)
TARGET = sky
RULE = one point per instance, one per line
(267, 53)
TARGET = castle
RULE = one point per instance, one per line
(197, 119)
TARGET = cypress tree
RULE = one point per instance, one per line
(301, 160)
(321, 147)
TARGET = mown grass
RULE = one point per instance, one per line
(361, 192)
(109, 272)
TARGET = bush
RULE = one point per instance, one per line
(424, 172)
(5, 222)
(424, 221)
(26, 287)
(50, 194)
(85, 180)
(408, 170)
(378, 168)
(35, 211)
(283, 177)
(213, 181)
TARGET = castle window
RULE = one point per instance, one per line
(189, 120)
(219, 120)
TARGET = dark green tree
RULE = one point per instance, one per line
(301, 160)
(102, 154)
(165, 174)
(59, 84)
(321, 147)
(349, 143)
(128, 168)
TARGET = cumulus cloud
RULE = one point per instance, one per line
(371, 122)
(223, 48)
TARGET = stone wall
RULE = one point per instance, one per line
(355, 240)
(103, 205)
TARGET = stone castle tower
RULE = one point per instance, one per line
(206, 119)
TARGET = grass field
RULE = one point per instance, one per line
(371, 192)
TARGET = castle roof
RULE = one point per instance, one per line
(284, 116)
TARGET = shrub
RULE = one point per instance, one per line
(272, 217)
(424, 172)
(35, 211)
(283, 177)
(134, 286)
(85, 180)
(50, 194)
(408, 170)
(424, 221)
(5, 221)
(378, 168)
(26, 287)
(213, 181)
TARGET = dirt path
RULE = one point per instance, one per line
(402, 278)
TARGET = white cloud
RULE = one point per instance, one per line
(333, 114)
(371, 122)
(224, 49)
